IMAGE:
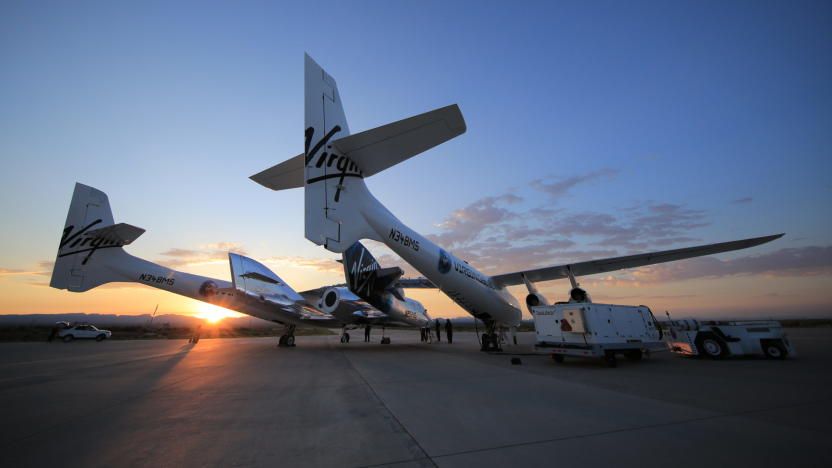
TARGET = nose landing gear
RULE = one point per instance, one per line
(490, 339)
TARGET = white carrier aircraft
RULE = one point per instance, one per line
(91, 254)
(340, 210)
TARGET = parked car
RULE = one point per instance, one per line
(83, 331)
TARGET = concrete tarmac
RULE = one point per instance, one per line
(246, 402)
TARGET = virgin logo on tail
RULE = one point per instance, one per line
(345, 166)
(83, 243)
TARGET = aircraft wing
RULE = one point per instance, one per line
(416, 283)
(630, 261)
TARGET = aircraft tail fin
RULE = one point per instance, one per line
(253, 278)
(90, 248)
(364, 275)
(334, 163)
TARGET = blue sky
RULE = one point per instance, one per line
(593, 129)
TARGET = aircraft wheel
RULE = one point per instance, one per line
(558, 358)
(385, 340)
(486, 340)
(281, 341)
(290, 340)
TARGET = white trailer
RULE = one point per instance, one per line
(718, 339)
(596, 330)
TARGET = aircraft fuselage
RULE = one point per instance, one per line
(462, 283)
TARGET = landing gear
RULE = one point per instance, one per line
(490, 339)
(384, 339)
(345, 337)
(287, 339)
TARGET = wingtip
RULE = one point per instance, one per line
(767, 239)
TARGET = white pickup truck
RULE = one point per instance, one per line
(718, 339)
(82, 331)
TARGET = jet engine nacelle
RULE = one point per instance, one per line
(536, 299)
(330, 299)
(579, 295)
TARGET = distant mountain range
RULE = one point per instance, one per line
(170, 320)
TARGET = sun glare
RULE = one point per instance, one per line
(213, 313)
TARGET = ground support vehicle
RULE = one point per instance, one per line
(718, 339)
(587, 329)
(82, 331)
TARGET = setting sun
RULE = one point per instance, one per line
(213, 313)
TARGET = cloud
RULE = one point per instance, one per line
(561, 185)
(465, 224)
(16, 272)
(44, 268)
(203, 255)
(742, 200)
(500, 234)
(227, 246)
(319, 264)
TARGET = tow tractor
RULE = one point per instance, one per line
(718, 339)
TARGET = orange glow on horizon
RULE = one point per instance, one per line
(213, 313)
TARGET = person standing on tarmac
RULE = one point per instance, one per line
(195, 339)
(438, 330)
(449, 331)
(367, 334)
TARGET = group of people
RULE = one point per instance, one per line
(427, 337)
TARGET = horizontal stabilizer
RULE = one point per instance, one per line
(630, 261)
(286, 175)
(375, 150)
(384, 277)
(117, 234)
(416, 283)
(382, 147)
